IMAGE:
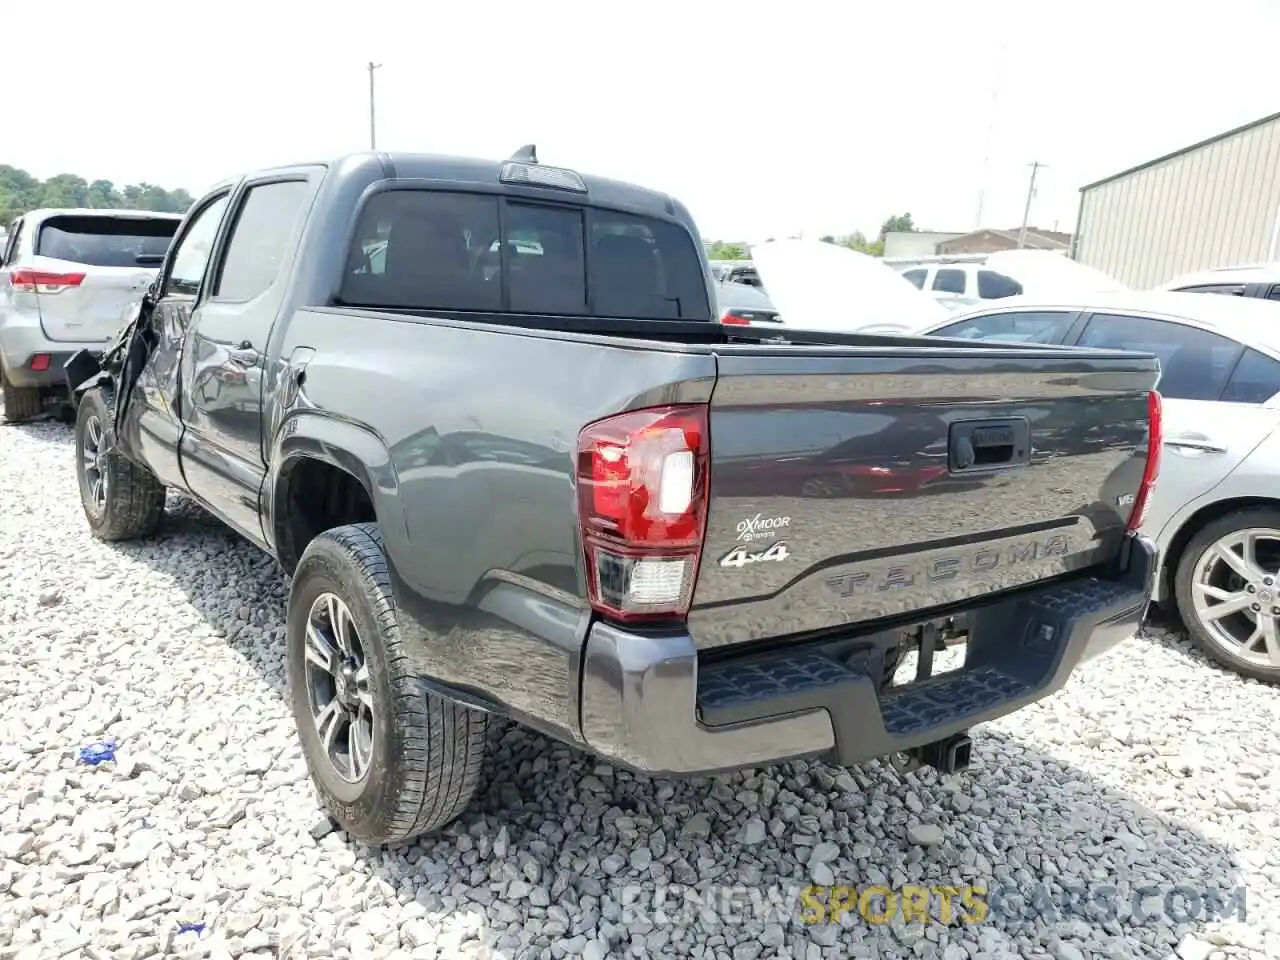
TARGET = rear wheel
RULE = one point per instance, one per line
(390, 760)
(20, 403)
(1227, 589)
(121, 500)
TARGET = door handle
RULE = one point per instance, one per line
(1194, 445)
(244, 355)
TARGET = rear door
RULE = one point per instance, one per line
(1214, 393)
(94, 266)
(224, 355)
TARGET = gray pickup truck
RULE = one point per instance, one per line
(484, 416)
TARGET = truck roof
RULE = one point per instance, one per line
(431, 166)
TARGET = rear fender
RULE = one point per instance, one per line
(348, 446)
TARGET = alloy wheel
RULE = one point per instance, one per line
(1236, 593)
(338, 687)
(93, 463)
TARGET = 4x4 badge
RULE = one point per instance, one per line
(741, 556)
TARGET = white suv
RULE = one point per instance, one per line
(65, 278)
(973, 280)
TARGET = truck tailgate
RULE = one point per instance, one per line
(849, 486)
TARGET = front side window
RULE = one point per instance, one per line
(263, 227)
(949, 281)
(916, 278)
(1019, 326)
(437, 250)
(1194, 363)
(191, 258)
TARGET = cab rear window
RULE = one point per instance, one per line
(106, 241)
(461, 252)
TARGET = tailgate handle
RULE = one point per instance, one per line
(978, 445)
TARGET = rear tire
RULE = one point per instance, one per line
(20, 403)
(121, 500)
(1225, 639)
(390, 760)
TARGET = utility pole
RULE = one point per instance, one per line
(373, 127)
(1036, 167)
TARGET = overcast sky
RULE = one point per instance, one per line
(764, 118)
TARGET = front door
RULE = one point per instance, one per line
(223, 364)
(153, 421)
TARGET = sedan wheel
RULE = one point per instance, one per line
(1228, 587)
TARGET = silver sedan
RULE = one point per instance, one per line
(1215, 511)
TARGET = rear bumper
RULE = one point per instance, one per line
(30, 358)
(647, 705)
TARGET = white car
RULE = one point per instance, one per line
(1261, 281)
(1215, 511)
(65, 277)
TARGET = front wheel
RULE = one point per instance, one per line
(390, 760)
(1227, 588)
(121, 499)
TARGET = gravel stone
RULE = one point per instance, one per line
(1151, 768)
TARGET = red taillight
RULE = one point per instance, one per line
(642, 504)
(735, 319)
(39, 363)
(41, 281)
(1155, 439)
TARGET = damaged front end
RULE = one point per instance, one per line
(117, 368)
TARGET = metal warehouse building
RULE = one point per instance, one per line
(1213, 204)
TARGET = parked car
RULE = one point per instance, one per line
(1215, 513)
(1261, 281)
(735, 271)
(65, 276)
(826, 287)
(498, 493)
(1008, 273)
(740, 303)
(962, 279)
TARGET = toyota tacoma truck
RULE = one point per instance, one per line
(484, 416)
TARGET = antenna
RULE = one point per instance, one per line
(996, 77)
(526, 154)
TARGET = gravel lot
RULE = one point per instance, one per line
(1152, 770)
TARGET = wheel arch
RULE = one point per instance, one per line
(1196, 522)
(345, 463)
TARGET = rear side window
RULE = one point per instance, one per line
(1227, 289)
(1194, 363)
(437, 250)
(996, 286)
(1256, 379)
(1026, 327)
(102, 241)
(1274, 292)
(916, 277)
(258, 240)
(949, 281)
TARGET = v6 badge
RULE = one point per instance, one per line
(741, 556)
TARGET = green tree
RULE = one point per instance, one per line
(20, 192)
(720, 250)
(898, 224)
